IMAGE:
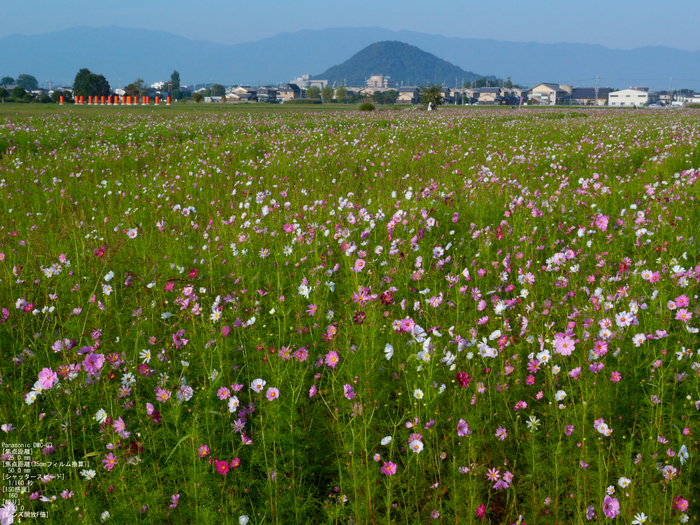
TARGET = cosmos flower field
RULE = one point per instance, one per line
(397, 317)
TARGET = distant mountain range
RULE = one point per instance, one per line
(403, 63)
(122, 55)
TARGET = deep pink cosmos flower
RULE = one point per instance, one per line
(222, 467)
(463, 379)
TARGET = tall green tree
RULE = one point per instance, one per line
(28, 82)
(391, 96)
(313, 92)
(4, 94)
(378, 97)
(431, 94)
(18, 93)
(6, 81)
(135, 87)
(175, 79)
(218, 90)
(341, 94)
(327, 94)
(88, 84)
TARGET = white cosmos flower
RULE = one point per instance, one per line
(258, 385)
(386, 440)
(418, 393)
(388, 351)
(101, 416)
(416, 446)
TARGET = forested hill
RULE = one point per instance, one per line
(405, 64)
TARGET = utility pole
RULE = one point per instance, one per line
(670, 93)
(50, 84)
(595, 103)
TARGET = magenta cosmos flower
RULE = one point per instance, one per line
(93, 363)
(389, 468)
(611, 507)
(110, 462)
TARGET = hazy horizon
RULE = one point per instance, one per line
(622, 25)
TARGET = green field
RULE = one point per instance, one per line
(270, 314)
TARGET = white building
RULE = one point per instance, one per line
(631, 98)
(158, 86)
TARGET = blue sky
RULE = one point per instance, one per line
(622, 24)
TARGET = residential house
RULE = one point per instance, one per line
(632, 97)
(489, 96)
(267, 94)
(519, 93)
(288, 92)
(408, 95)
(586, 96)
(550, 94)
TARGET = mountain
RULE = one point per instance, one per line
(126, 54)
(402, 62)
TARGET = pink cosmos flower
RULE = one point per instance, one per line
(348, 392)
(202, 451)
(389, 468)
(564, 345)
(178, 340)
(110, 462)
(47, 378)
(463, 428)
(601, 222)
(615, 377)
(481, 511)
(119, 425)
(312, 391)
(332, 358)
(683, 315)
(175, 498)
(272, 394)
(235, 463)
(611, 507)
(223, 393)
(93, 363)
(682, 300)
(359, 265)
(501, 433)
